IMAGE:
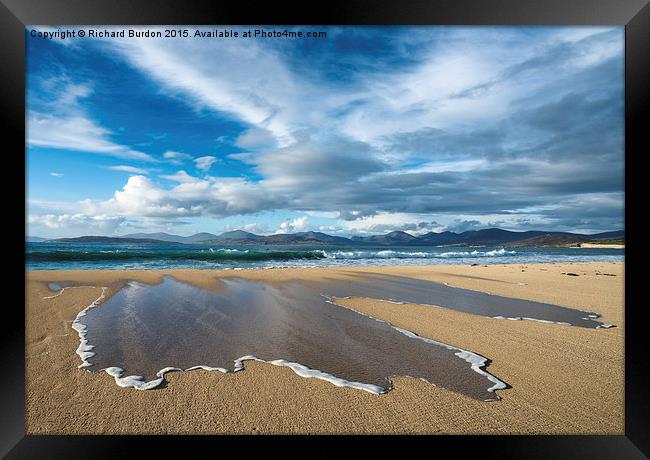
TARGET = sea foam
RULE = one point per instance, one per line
(84, 349)
(392, 254)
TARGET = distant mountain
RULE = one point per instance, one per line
(306, 237)
(485, 237)
(234, 235)
(155, 236)
(34, 239)
(616, 235)
(241, 237)
(196, 238)
(394, 238)
(108, 239)
(547, 239)
(323, 237)
(559, 239)
(494, 236)
(439, 239)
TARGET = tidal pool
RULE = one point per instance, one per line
(144, 331)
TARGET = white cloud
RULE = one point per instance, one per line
(439, 167)
(78, 133)
(181, 177)
(71, 93)
(191, 197)
(176, 157)
(256, 138)
(257, 228)
(331, 229)
(79, 223)
(498, 66)
(231, 83)
(56, 174)
(299, 224)
(384, 222)
(64, 124)
(244, 157)
(141, 197)
(309, 166)
(327, 148)
(129, 169)
(205, 163)
(323, 214)
(49, 207)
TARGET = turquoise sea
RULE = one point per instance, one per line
(96, 256)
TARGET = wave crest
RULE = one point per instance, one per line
(250, 255)
(214, 255)
(389, 254)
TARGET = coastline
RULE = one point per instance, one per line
(564, 379)
(599, 246)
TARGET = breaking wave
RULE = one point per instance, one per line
(202, 255)
(389, 254)
(225, 255)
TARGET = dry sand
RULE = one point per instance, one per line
(564, 379)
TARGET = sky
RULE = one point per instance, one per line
(366, 131)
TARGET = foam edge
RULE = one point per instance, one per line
(84, 348)
(521, 318)
(138, 382)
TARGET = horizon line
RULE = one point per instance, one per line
(328, 234)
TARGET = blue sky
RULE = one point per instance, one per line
(369, 130)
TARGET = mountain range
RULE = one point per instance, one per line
(490, 236)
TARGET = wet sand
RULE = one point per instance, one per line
(564, 379)
(143, 329)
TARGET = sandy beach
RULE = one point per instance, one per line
(563, 379)
(601, 246)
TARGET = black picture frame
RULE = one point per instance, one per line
(633, 14)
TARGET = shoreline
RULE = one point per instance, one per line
(48, 331)
(598, 246)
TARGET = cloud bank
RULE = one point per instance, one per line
(432, 129)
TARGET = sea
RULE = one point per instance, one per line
(122, 256)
